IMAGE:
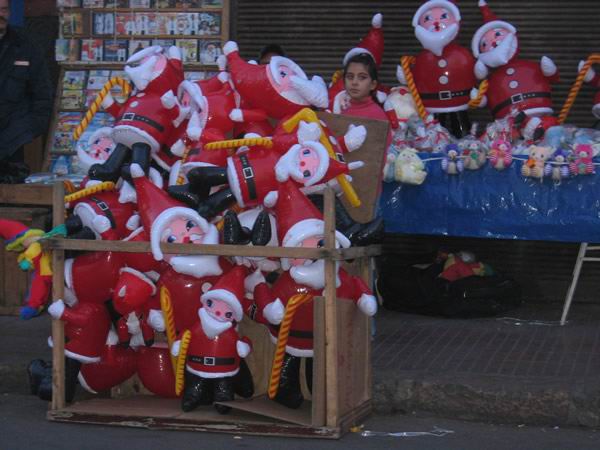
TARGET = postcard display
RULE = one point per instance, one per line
(95, 39)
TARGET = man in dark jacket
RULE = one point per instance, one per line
(25, 90)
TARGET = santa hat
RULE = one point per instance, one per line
(297, 218)
(490, 22)
(449, 5)
(230, 290)
(132, 290)
(371, 44)
(157, 209)
(14, 233)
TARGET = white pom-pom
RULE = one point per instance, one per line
(168, 100)
(367, 304)
(377, 20)
(178, 148)
(236, 115)
(243, 349)
(133, 223)
(175, 348)
(221, 62)
(136, 170)
(548, 67)
(230, 47)
(308, 131)
(274, 312)
(174, 53)
(271, 199)
(253, 62)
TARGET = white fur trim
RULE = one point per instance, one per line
(136, 170)
(277, 61)
(78, 357)
(174, 52)
(377, 20)
(253, 62)
(141, 276)
(400, 75)
(84, 384)
(68, 271)
(174, 173)
(133, 223)
(308, 131)
(236, 115)
(271, 199)
(356, 51)
(226, 297)
(223, 77)
(433, 4)
(381, 96)
(234, 183)
(163, 220)
(230, 47)
(354, 165)
(222, 62)
(122, 135)
(243, 349)
(138, 56)
(155, 178)
(300, 353)
(134, 233)
(484, 29)
(533, 112)
(452, 109)
(178, 148)
(211, 374)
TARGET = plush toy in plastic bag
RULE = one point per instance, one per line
(557, 167)
(473, 152)
(452, 163)
(408, 167)
(500, 154)
(582, 163)
(534, 166)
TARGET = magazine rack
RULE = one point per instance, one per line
(341, 395)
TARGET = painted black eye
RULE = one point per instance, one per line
(209, 303)
(484, 45)
(306, 152)
(190, 224)
(229, 315)
(321, 243)
(171, 239)
(498, 34)
(445, 16)
(427, 18)
(306, 174)
(283, 74)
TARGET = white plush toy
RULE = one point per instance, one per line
(409, 167)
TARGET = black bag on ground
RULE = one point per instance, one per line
(419, 290)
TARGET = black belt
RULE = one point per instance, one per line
(211, 360)
(248, 176)
(105, 210)
(445, 95)
(518, 98)
(133, 116)
(294, 333)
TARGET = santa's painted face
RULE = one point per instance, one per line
(310, 242)
(308, 161)
(497, 47)
(101, 148)
(280, 71)
(436, 28)
(492, 39)
(219, 310)
(182, 231)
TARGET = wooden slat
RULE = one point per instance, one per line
(319, 402)
(26, 194)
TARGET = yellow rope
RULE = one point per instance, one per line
(483, 87)
(180, 371)
(405, 62)
(336, 76)
(167, 309)
(233, 143)
(180, 176)
(93, 109)
(564, 112)
(236, 208)
(284, 331)
(69, 186)
(104, 186)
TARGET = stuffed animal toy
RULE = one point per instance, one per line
(534, 166)
(582, 163)
(399, 106)
(473, 152)
(500, 154)
(452, 163)
(408, 167)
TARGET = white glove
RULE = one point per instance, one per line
(100, 224)
(548, 66)
(308, 132)
(400, 75)
(481, 70)
(590, 74)
(175, 348)
(367, 304)
(274, 312)
(156, 320)
(56, 309)
(254, 279)
(236, 115)
(355, 137)
(168, 100)
(178, 148)
(243, 349)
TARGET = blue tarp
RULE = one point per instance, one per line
(495, 204)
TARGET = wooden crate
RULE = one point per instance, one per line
(341, 394)
(17, 201)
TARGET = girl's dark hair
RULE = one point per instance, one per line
(271, 48)
(368, 61)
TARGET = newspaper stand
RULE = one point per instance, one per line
(341, 394)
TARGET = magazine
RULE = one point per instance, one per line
(67, 121)
(91, 49)
(68, 3)
(164, 43)
(74, 79)
(140, 4)
(212, 3)
(116, 3)
(186, 24)
(66, 50)
(72, 24)
(93, 3)
(189, 49)
(115, 50)
(90, 96)
(125, 24)
(103, 23)
(137, 45)
(209, 24)
(97, 79)
(60, 164)
(149, 24)
(210, 51)
(72, 99)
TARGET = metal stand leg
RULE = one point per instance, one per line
(576, 272)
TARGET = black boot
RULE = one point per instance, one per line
(201, 179)
(243, 383)
(261, 230)
(84, 233)
(38, 370)
(140, 154)
(223, 389)
(289, 393)
(110, 170)
(73, 224)
(72, 367)
(457, 123)
(309, 373)
(184, 194)
(216, 203)
(233, 231)
(197, 391)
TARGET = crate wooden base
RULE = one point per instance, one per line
(250, 417)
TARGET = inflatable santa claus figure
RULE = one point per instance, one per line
(278, 89)
(514, 83)
(443, 71)
(593, 79)
(300, 224)
(185, 276)
(148, 117)
(215, 348)
(371, 44)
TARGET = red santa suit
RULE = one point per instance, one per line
(92, 277)
(595, 82)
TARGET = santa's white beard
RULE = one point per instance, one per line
(312, 275)
(198, 266)
(211, 326)
(502, 54)
(436, 41)
(143, 74)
